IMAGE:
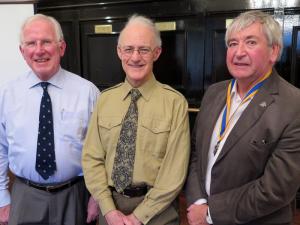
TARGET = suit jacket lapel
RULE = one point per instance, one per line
(252, 113)
(212, 114)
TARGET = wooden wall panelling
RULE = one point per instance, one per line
(71, 60)
(295, 56)
(288, 66)
(215, 48)
(100, 62)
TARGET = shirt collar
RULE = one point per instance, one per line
(56, 80)
(146, 89)
(234, 93)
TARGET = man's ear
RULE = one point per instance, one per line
(21, 50)
(119, 52)
(156, 53)
(62, 47)
(275, 51)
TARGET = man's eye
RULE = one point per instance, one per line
(46, 42)
(30, 44)
(251, 42)
(144, 51)
(232, 44)
(128, 50)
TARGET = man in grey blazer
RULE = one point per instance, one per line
(245, 161)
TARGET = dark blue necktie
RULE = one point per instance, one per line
(45, 155)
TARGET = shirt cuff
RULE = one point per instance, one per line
(144, 214)
(107, 205)
(208, 217)
(200, 201)
(4, 198)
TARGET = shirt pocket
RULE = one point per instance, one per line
(73, 127)
(155, 136)
(109, 129)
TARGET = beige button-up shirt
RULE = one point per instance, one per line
(162, 145)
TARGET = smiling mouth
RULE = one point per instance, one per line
(135, 66)
(240, 64)
(41, 60)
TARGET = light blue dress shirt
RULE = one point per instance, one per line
(73, 99)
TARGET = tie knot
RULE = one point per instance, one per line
(135, 94)
(44, 85)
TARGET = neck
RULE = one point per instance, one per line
(244, 86)
(137, 83)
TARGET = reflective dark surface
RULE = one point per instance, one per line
(193, 55)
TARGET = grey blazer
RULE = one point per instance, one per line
(257, 173)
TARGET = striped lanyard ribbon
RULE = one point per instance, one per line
(226, 118)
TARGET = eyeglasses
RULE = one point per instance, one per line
(143, 51)
(43, 43)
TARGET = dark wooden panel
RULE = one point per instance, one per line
(219, 68)
(101, 64)
(288, 61)
(98, 2)
(171, 67)
(71, 60)
(295, 66)
(117, 8)
(238, 5)
(215, 49)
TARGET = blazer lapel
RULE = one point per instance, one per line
(212, 114)
(252, 113)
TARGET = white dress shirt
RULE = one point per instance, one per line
(235, 113)
(73, 99)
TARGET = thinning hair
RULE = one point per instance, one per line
(135, 18)
(270, 27)
(57, 28)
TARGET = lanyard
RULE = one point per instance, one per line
(226, 118)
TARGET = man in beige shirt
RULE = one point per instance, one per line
(162, 143)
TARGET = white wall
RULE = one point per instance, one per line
(11, 18)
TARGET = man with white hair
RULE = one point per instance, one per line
(44, 116)
(136, 152)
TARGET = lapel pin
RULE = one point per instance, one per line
(263, 104)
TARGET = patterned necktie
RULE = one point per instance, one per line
(45, 155)
(125, 152)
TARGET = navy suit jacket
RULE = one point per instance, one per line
(257, 174)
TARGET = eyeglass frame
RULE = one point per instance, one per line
(139, 49)
(44, 43)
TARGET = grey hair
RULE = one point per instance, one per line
(270, 26)
(135, 18)
(57, 28)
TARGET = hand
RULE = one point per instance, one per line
(4, 214)
(196, 214)
(114, 217)
(131, 220)
(92, 210)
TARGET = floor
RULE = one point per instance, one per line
(297, 217)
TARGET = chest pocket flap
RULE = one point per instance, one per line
(156, 126)
(109, 122)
